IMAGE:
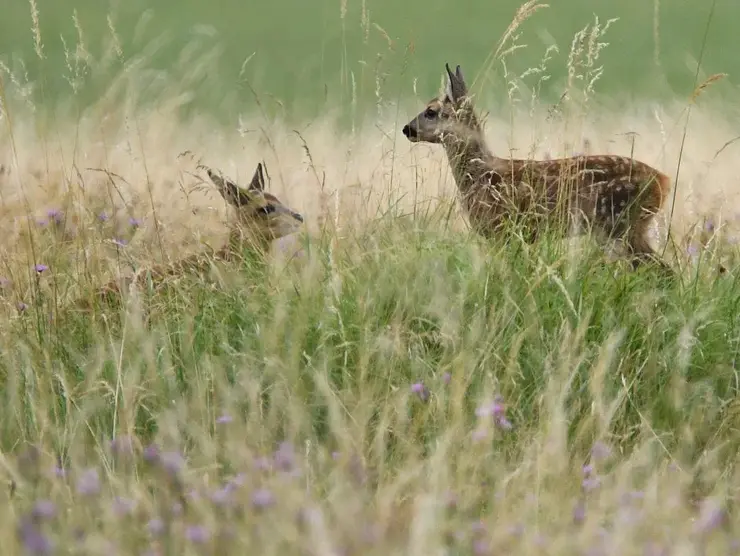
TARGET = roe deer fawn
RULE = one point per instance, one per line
(260, 219)
(612, 194)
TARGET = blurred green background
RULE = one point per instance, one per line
(305, 52)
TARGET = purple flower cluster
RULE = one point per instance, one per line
(174, 497)
(175, 516)
(493, 412)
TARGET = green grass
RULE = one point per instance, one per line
(401, 386)
(325, 356)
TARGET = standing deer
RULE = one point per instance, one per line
(612, 194)
(260, 219)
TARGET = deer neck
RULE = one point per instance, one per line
(468, 155)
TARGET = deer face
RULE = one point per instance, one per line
(258, 212)
(447, 114)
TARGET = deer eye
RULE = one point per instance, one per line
(430, 113)
(267, 209)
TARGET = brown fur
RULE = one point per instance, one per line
(615, 195)
(261, 218)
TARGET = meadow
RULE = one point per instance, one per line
(386, 381)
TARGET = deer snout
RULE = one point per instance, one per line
(410, 132)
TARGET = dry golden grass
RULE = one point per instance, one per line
(135, 170)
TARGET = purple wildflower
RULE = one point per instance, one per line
(197, 534)
(44, 509)
(590, 483)
(88, 483)
(420, 390)
(134, 222)
(590, 480)
(221, 496)
(22, 306)
(446, 378)
(224, 419)
(481, 547)
(122, 445)
(711, 516)
(579, 512)
(120, 242)
(600, 451)
(151, 453)
(55, 215)
(497, 411)
(262, 498)
(491, 409)
(103, 216)
(123, 506)
(628, 497)
(172, 462)
(155, 526)
(284, 457)
(40, 268)
(59, 472)
(503, 423)
(35, 542)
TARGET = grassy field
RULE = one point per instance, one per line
(385, 382)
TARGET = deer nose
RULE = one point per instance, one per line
(406, 130)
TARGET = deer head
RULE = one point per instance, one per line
(449, 114)
(259, 213)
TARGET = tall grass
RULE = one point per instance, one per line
(385, 383)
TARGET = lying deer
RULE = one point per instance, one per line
(261, 218)
(612, 194)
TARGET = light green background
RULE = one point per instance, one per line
(304, 52)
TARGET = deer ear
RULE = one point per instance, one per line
(456, 87)
(448, 82)
(233, 194)
(258, 180)
(460, 78)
